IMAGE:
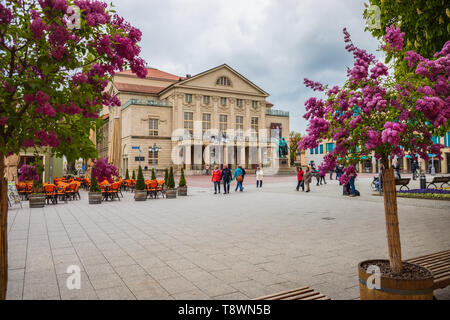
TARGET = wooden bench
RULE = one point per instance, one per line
(439, 265)
(442, 180)
(304, 293)
(403, 183)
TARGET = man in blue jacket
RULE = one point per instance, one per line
(239, 176)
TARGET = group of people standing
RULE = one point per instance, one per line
(225, 176)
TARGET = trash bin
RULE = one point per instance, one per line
(423, 181)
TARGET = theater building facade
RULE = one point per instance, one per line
(216, 117)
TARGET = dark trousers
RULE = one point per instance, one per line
(322, 178)
(302, 185)
(259, 183)
(226, 186)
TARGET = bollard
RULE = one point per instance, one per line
(423, 181)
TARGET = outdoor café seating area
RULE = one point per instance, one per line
(62, 189)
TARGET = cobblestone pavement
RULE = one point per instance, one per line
(205, 246)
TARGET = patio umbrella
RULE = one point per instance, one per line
(11, 167)
(90, 164)
(114, 147)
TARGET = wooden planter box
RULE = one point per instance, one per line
(395, 289)
(182, 191)
(37, 200)
(95, 197)
(140, 195)
(171, 193)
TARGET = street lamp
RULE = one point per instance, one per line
(154, 149)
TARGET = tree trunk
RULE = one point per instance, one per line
(3, 229)
(391, 212)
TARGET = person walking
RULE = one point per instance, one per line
(239, 176)
(216, 177)
(259, 177)
(322, 178)
(300, 174)
(307, 177)
(227, 176)
(207, 169)
(331, 174)
(352, 184)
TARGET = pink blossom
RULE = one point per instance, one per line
(28, 173)
(316, 86)
(379, 70)
(5, 15)
(394, 38)
(102, 171)
(38, 27)
(3, 121)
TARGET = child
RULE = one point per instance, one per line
(259, 177)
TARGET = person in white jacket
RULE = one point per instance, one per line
(259, 177)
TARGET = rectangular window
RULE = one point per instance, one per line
(317, 150)
(153, 127)
(311, 151)
(330, 147)
(239, 103)
(223, 101)
(447, 139)
(436, 140)
(255, 126)
(206, 100)
(223, 123)
(189, 122)
(188, 98)
(255, 104)
(153, 157)
(206, 122)
(239, 127)
(321, 149)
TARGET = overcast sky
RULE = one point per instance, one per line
(274, 43)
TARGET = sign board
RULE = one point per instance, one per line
(138, 159)
(135, 148)
(13, 194)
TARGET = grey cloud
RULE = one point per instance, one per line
(274, 43)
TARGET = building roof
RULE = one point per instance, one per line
(153, 73)
(269, 104)
(139, 88)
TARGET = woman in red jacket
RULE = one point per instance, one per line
(300, 174)
(216, 177)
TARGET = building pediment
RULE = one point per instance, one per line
(222, 79)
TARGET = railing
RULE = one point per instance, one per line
(277, 113)
(156, 103)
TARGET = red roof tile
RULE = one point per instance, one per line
(137, 88)
(269, 104)
(153, 73)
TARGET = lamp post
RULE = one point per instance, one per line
(154, 149)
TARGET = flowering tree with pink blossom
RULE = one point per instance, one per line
(375, 114)
(102, 171)
(56, 58)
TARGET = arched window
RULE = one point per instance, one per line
(223, 81)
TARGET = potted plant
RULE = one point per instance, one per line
(182, 187)
(374, 115)
(127, 175)
(95, 194)
(171, 191)
(133, 177)
(140, 193)
(34, 174)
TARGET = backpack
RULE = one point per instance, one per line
(239, 179)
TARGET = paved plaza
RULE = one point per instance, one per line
(206, 246)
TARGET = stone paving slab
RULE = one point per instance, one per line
(205, 246)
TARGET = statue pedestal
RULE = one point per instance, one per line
(284, 169)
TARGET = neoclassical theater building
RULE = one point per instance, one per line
(215, 117)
